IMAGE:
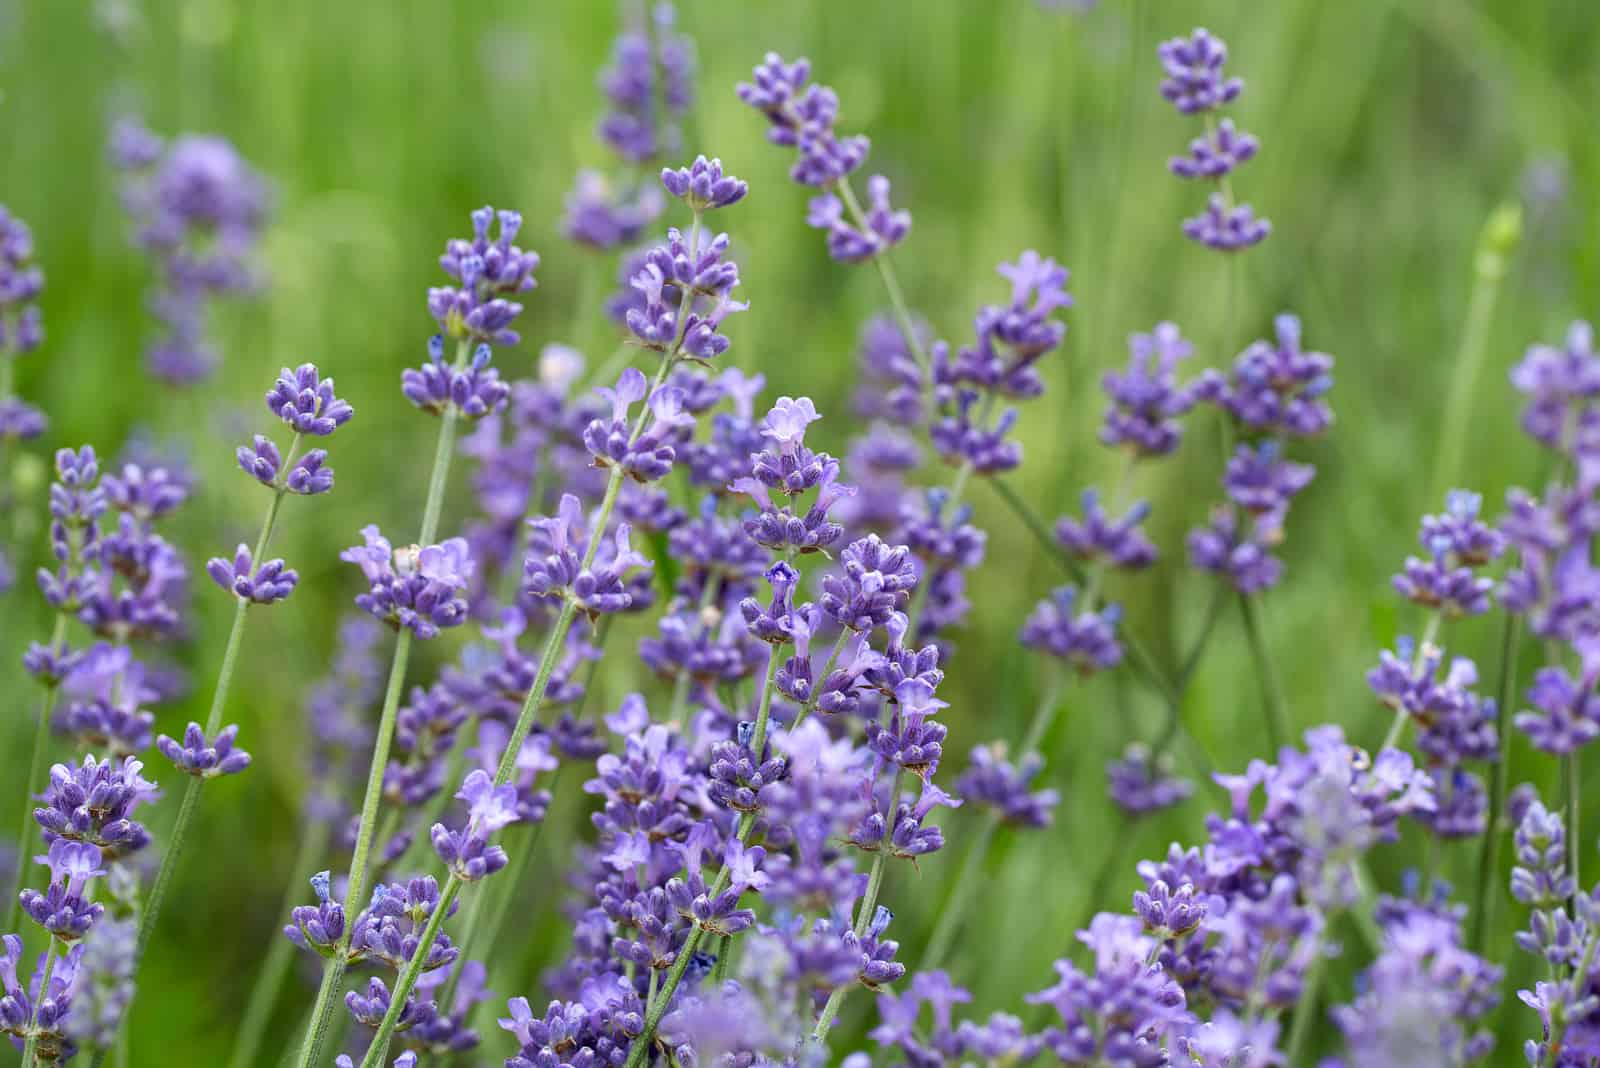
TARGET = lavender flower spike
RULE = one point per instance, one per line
(703, 186)
(267, 584)
(202, 759)
(306, 402)
(62, 909)
(416, 588)
(467, 852)
(487, 272)
(1194, 81)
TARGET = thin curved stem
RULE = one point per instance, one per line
(30, 1051)
(1271, 692)
(955, 905)
(36, 772)
(897, 298)
(1574, 775)
(379, 1050)
(269, 980)
(1495, 832)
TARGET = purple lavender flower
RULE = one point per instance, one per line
(318, 927)
(879, 230)
(1261, 481)
(94, 802)
(892, 382)
(1194, 80)
(467, 852)
(1225, 228)
(62, 909)
(1243, 558)
(474, 390)
(1215, 154)
(992, 780)
(803, 120)
(1011, 338)
(390, 928)
(1141, 782)
(205, 759)
(417, 588)
(648, 87)
(686, 291)
(604, 216)
(554, 567)
(306, 402)
(145, 494)
(1146, 399)
(875, 583)
(1567, 715)
(268, 583)
(21, 282)
(703, 186)
(1561, 385)
(38, 1010)
(648, 455)
(1275, 388)
(1121, 543)
(1086, 640)
(487, 272)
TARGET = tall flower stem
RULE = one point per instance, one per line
(1271, 692)
(219, 701)
(869, 901)
(1489, 862)
(897, 298)
(361, 858)
(531, 707)
(1573, 773)
(36, 771)
(269, 980)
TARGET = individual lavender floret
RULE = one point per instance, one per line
(487, 272)
(306, 401)
(992, 780)
(1141, 782)
(876, 582)
(1459, 532)
(803, 121)
(1121, 543)
(554, 566)
(1275, 388)
(1261, 481)
(318, 927)
(62, 909)
(1561, 384)
(467, 852)
(272, 581)
(1242, 557)
(1420, 999)
(879, 230)
(21, 282)
(647, 456)
(1086, 640)
(1215, 154)
(418, 589)
(474, 390)
(94, 802)
(1194, 80)
(1146, 399)
(205, 759)
(703, 186)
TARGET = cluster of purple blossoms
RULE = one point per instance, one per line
(802, 117)
(567, 560)
(415, 588)
(1458, 544)
(1146, 399)
(198, 210)
(684, 291)
(788, 470)
(1001, 363)
(1082, 636)
(488, 272)
(1195, 84)
(648, 88)
(468, 852)
(1141, 781)
(1275, 392)
(21, 332)
(473, 389)
(645, 454)
(38, 1009)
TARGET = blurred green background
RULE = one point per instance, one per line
(1390, 129)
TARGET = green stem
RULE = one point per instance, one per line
(30, 1051)
(1305, 1011)
(897, 299)
(379, 1050)
(960, 896)
(1489, 862)
(1574, 777)
(1271, 694)
(36, 773)
(280, 955)
(360, 860)
(827, 669)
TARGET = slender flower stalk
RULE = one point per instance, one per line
(1486, 903)
(37, 763)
